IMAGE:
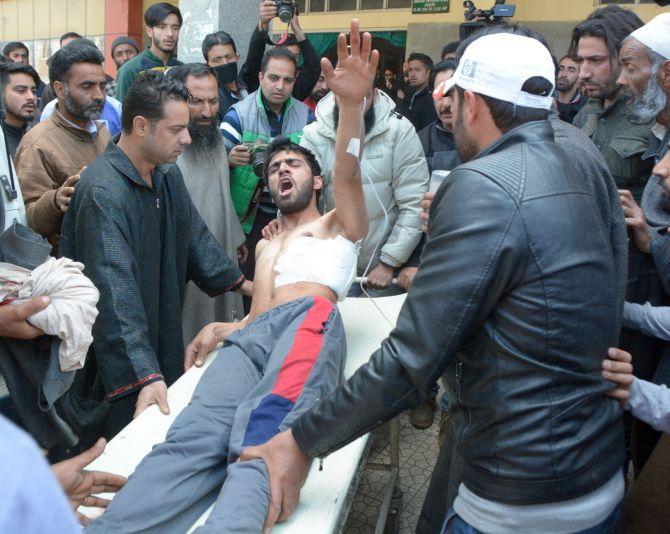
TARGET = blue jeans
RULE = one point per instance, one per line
(454, 524)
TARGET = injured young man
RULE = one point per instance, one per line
(283, 358)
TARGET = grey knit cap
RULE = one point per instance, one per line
(124, 39)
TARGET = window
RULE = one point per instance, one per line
(319, 6)
(626, 1)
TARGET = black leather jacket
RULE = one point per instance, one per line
(516, 302)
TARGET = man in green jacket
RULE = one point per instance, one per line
(163, 22)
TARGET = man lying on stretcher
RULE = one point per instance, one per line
(288, 353)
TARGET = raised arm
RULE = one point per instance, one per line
(350, 82)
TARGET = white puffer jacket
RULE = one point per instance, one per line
(394, 162)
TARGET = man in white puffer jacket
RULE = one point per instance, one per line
(393, 160)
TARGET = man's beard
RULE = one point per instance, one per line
(651, 103)
(300, 202)
(90, 112)
(206, 141)
(465, 144)
(158, 45)
(563, 85)
(318, 95)
(368, 118)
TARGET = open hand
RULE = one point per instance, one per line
(64, 192)
(80, 485)
(356, 68)
(273, 229)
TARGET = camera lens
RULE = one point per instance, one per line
(285, 12)
(258, 163)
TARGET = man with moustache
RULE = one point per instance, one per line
(569, 98)
(124, 49)
(320, 90)
(53, 153)
(163, 23)
(19, 94)
(394, 166)
(134, 226)
(204, 166)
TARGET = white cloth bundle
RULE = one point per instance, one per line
(72, 311)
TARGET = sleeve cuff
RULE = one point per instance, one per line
(632, 315)
(125, 390)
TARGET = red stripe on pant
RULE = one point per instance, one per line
(304, 352)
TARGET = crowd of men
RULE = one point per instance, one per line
(547, 245)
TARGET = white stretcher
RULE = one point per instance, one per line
(326, 496)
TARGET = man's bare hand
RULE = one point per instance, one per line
(80, 485)
(297, 29)
(356, 66)
(273, 229)
(13, 323)
(635, 220)
(204, 343)
(380, 277)
(64, 192)
(268, 11)
(239, 156)
(288, 468)
(246, 289)
(425, 205)
(154, 393)
(406, 277)
(618, 368)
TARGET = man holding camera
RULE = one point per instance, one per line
(306, 57)
(248, 127)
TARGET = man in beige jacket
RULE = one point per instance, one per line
(52, 154)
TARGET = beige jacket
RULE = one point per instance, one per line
(48, 155)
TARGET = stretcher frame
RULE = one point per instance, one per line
(328, 493)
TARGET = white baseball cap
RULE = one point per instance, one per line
(656, 35)
(498, 65)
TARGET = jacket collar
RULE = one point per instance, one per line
(530, 132)
(120, 161)
(75, 130)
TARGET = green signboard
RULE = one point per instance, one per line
(430, 6)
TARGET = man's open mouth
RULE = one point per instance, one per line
(285, 186)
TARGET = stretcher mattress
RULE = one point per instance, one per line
(324, 496)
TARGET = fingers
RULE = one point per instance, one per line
(96, 502)
(327, 68)
(355, 38)
(104, 482)
(619, 394)
(140, 406)
(619, 355)
(342, 52)
(86, 457)
(366, 46)
(161, 398)
(190, 355)
(374, 61)
(274, 510)
(33, 306)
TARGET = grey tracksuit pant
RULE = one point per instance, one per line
(263, 379)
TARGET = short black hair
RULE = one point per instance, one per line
(7, 69)
(78, 51)
(506, 115)
(147, 97)
(612, 24)
(159, 12)
(14, 45)
(450, 48)
(216, 38)
(197, 70)
(68, 35)
(571, 57)
(284, 144)
(442, 66)
(278, 52)
(423, 58)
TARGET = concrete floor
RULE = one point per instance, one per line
(418, 453)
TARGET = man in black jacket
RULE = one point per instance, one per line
(308, 61)
(514, 298)
(420, 109)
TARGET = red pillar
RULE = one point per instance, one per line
(122, 17)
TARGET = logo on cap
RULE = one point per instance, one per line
(469, 68)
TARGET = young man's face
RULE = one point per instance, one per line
(568, 73)
(389, 77)
(291, 181)
(598, 72)
(20, 97)
(203, 106)
(83, 92)
(123, 53)
(443, 105)
(221, 55)
(165, 35)
(418, 74)
(168, 137)
(20, 55)
(278, 80)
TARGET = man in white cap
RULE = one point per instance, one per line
(515, 300)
